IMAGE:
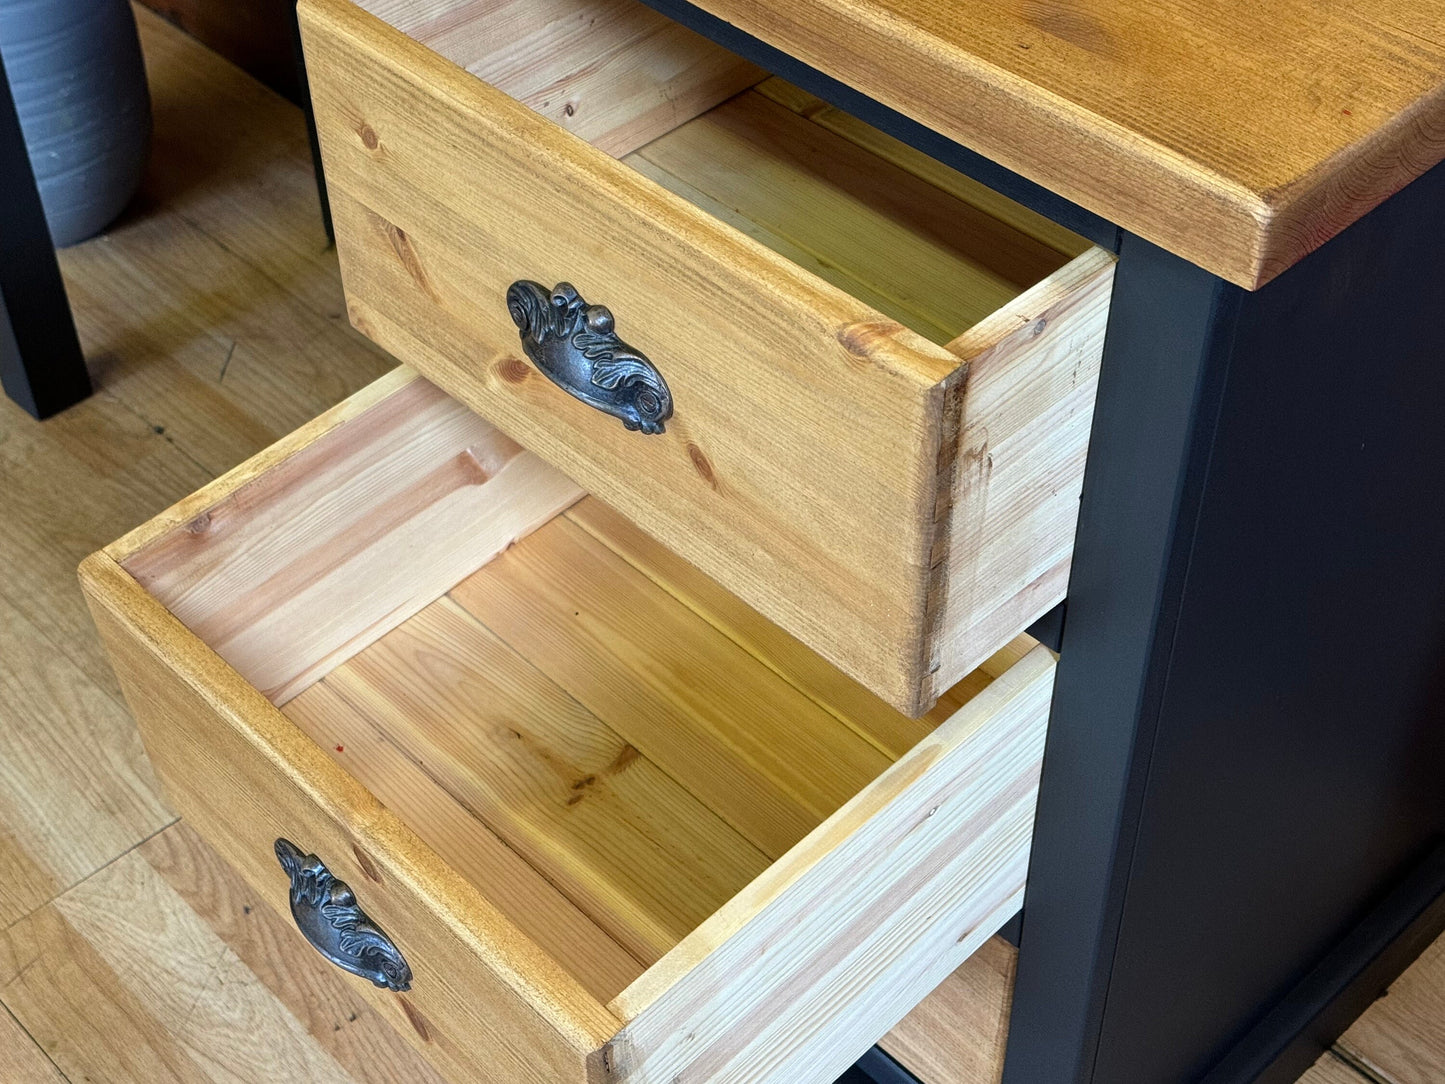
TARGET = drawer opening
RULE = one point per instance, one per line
(623, 758)
(916, 240)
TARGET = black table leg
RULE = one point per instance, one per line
(41, 366)
(1241, 789)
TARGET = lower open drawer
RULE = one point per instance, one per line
(603, 820)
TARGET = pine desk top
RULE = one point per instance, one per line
(1239, 134)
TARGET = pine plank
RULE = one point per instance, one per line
(908, 247)
(612, 72)
(924, 167)
(887, 728)
(1005, 545)
(733, 732)
(1401, 1037)
(957, 1034)
(291, 572)
(628, 845)
(454, 831)
(878, 906)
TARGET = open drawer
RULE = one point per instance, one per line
(613, 825)
(847, 383)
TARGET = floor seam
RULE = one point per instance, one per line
(36, 1042)
(98, 869)
(1359, 1065)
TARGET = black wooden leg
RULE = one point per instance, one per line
(41, 366)
(306, 105)
(1248, 734)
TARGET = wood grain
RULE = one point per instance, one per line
(1004, 540)
(879, 905)
(614, 72)
(24, 1061)
(1239, 135)
(961, 187)
(904, 245)
(767, 362)
(1332, 1069)
(323, 1000)
(582, 714)
(288, 574)
(957, 1034)
(1401, 1037)
(491, 1003)
(749, 343)
(218, 284)
(410, 788)
(892, 732)
(735, 733)
(75, 787)
(639, 854)
(86, 476)
(165, 968)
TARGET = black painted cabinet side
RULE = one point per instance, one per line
(1234, 781)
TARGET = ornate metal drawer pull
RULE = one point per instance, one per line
(329, 917)
(574, 344)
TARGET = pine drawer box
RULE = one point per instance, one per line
(605, 823)
(850, 385)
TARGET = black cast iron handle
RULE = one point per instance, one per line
(576, 346)
(330, 918)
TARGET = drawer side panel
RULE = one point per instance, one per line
(486, 1004)
(816, 960)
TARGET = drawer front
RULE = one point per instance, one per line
(566, 829)
(814, 453)
(243, 776)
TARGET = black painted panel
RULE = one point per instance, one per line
(1301, 740)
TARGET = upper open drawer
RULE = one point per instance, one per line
(851, 385)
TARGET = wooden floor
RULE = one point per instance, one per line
(213, 321)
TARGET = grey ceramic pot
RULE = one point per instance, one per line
(76, 72)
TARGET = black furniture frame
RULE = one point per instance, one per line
(41, 366)
(1238, 842)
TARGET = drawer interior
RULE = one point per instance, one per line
(605, 743)
(915, 240)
